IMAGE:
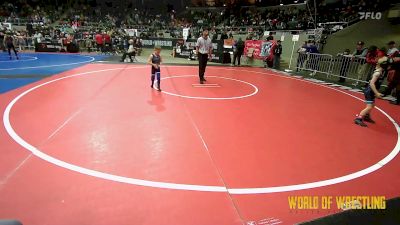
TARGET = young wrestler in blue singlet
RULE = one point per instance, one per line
(372, 92)
(155, 61)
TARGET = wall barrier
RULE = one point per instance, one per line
(344, 67)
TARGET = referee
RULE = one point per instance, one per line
(203, 50)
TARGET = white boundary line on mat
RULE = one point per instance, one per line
(211, 86)
(191, 187)
(32, 58)
(91, 59)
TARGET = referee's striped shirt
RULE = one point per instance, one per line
(204, 45)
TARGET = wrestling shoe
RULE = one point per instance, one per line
(359, 122)
(368, 119)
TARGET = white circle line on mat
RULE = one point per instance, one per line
(192, 187)
(31, 58)
(91, 59)
(212, 98)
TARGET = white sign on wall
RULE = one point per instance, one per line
(132, 32)
(185, 33)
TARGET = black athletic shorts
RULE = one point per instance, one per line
(369, 95)
(154, 70)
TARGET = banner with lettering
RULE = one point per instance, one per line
(162, 42)
(261, 49)
(185, 49)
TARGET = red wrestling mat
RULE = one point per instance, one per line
(96, 145)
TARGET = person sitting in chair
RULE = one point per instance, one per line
(131, 52)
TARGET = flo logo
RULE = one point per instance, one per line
(370, 15)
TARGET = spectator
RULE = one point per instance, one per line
(302, 56)
(29, 28)
(392, 51)
(311, 47)
(367, 68)
(89, 43)
(139, 46)
(125, 44)
(238, 51)
(393, 73)
(394, 83)
(224, 35)
(277, 55)
(360, 51)
(313, 59)
(21, 42)
(107, 38)
(372, 59)
(131, 52)
(230, 35)
(214, 36)
(99, 41)
(359, 55)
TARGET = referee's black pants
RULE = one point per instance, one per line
(9, 47)
(203, 58)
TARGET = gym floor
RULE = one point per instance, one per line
(92, 143)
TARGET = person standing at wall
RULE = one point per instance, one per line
(238, 51)
(312, 57)
(301, 58)
(358, 56)
(277, 55)
(99, 41)
(393, 75)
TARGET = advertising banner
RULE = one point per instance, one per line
(261, 49)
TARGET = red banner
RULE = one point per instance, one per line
(261, 49)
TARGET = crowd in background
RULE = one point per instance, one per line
(66, 22)
(103, 28)
(296, 17)
(155, 22)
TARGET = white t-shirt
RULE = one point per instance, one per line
(131, 49)
(204, 45)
